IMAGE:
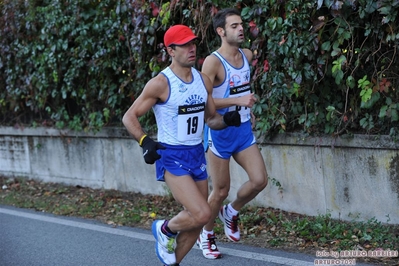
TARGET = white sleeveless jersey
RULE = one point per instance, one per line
(236, 83)
(180, 119)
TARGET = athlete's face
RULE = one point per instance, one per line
(185, 54)
(234, 31)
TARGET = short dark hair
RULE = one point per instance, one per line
(219, 20)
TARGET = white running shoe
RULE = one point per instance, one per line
(164, 245)
(208, 246)
(231, 229)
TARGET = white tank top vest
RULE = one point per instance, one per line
(236, 83)
(180, 119)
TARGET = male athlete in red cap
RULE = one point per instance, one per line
(180, 97)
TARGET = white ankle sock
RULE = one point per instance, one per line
(205, 232)
(231, 211)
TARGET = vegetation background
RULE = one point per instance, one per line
(320, 67)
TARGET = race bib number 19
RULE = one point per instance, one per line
(190, 121)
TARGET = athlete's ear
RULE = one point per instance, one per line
(170, 51)
(220, 31)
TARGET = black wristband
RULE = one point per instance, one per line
(232, 118)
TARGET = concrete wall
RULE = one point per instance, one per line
(349, 177)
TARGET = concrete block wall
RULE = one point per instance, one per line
(349, 177)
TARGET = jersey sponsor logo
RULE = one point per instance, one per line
(240, 89)
(189, 109)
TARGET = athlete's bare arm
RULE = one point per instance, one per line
(155, 90)
(213, 119)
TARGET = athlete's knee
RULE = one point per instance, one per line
(263, 184)
(259, 183)
(264, 181)
(203, 217)
(220, 194)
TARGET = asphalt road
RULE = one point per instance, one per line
(29, 238)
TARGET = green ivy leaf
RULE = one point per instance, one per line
(350, 82)
(394, 115)
(330, 108)
(365, 94)
(326, 46)
(383, 111)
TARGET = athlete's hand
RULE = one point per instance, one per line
(232, 118)
(150, 148)
(247, 100)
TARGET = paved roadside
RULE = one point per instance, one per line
(39, 239)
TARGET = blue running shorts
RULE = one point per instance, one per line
(182, 160)
(226, 142)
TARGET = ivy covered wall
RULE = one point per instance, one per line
(320, 67)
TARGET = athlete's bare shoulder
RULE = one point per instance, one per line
(248, 54)
(211, 67)
(211, 61)
(157, 87)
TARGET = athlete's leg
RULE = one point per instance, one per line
(219, 171)
(251, 161)
(189, 222)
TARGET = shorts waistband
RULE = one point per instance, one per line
(181, 147)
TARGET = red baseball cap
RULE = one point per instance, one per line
(178, 35)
